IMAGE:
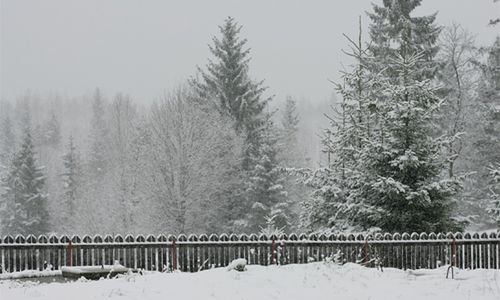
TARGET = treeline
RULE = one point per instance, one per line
(414, 145)
(204, 158)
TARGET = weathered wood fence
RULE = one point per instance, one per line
(193, 253)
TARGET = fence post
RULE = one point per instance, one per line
(273, 252)
(69, 254)
(452, 259)
(366, 254)
(174, 256)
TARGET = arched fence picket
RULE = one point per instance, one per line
(192, 253)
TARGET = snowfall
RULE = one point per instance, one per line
(310, 281)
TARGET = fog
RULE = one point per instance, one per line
(144, 48)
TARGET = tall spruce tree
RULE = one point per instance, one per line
(26, 204)
(290, 155)
(289, 152)
(227, 86)
(267, 198)
(394, 31)
(487, 133)
(98, 136)
(50, 134)
(8, 141)
(226, 83)
(402, 168)
(71, 180)
(335, 202)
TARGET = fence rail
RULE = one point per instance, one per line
(193, 253)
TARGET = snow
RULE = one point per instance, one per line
(238, 265)
(94, 269)
(310, 281)
(30, 274)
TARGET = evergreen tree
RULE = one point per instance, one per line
(266, 196)
(290, 156)
(51, 132)
(98, 199)
(71, 181)
(289, 152)
(394, 31)
(401, 179)
(122, 127)
(8, 141)
(227, 85)
(98, 136)
(26, 203)
(334, 202)
(486, 140)
(383, 173)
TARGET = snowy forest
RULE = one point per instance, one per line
(410, 142)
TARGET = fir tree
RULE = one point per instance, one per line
(394, 31)
(401, 179)
(266, 196)
(289, 152)
(334, 202)
(227, 82)
(486, 140)
(227, 85)
(98, 136)
(51, 132)
(8, 141)
(71, 180)
(290, 156)
(26, 204)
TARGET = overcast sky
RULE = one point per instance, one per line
(146, 47)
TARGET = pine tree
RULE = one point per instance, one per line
(98, 136)
(289, 152)
(290, 156)
(71, 181)
(122, 132)
(334, 202)
(8, 141)
(229, 88)
(26, 211)
(227, 82)
(51, 132)
(394, 31)
(486, 140)
(266, 196)
(401, 179)
(98, 217)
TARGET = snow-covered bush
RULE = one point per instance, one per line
(238, 265)
(337, 258)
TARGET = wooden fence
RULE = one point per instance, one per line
(193, 253)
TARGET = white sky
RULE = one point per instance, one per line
(145, 47)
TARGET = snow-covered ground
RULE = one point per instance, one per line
(312, 281)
